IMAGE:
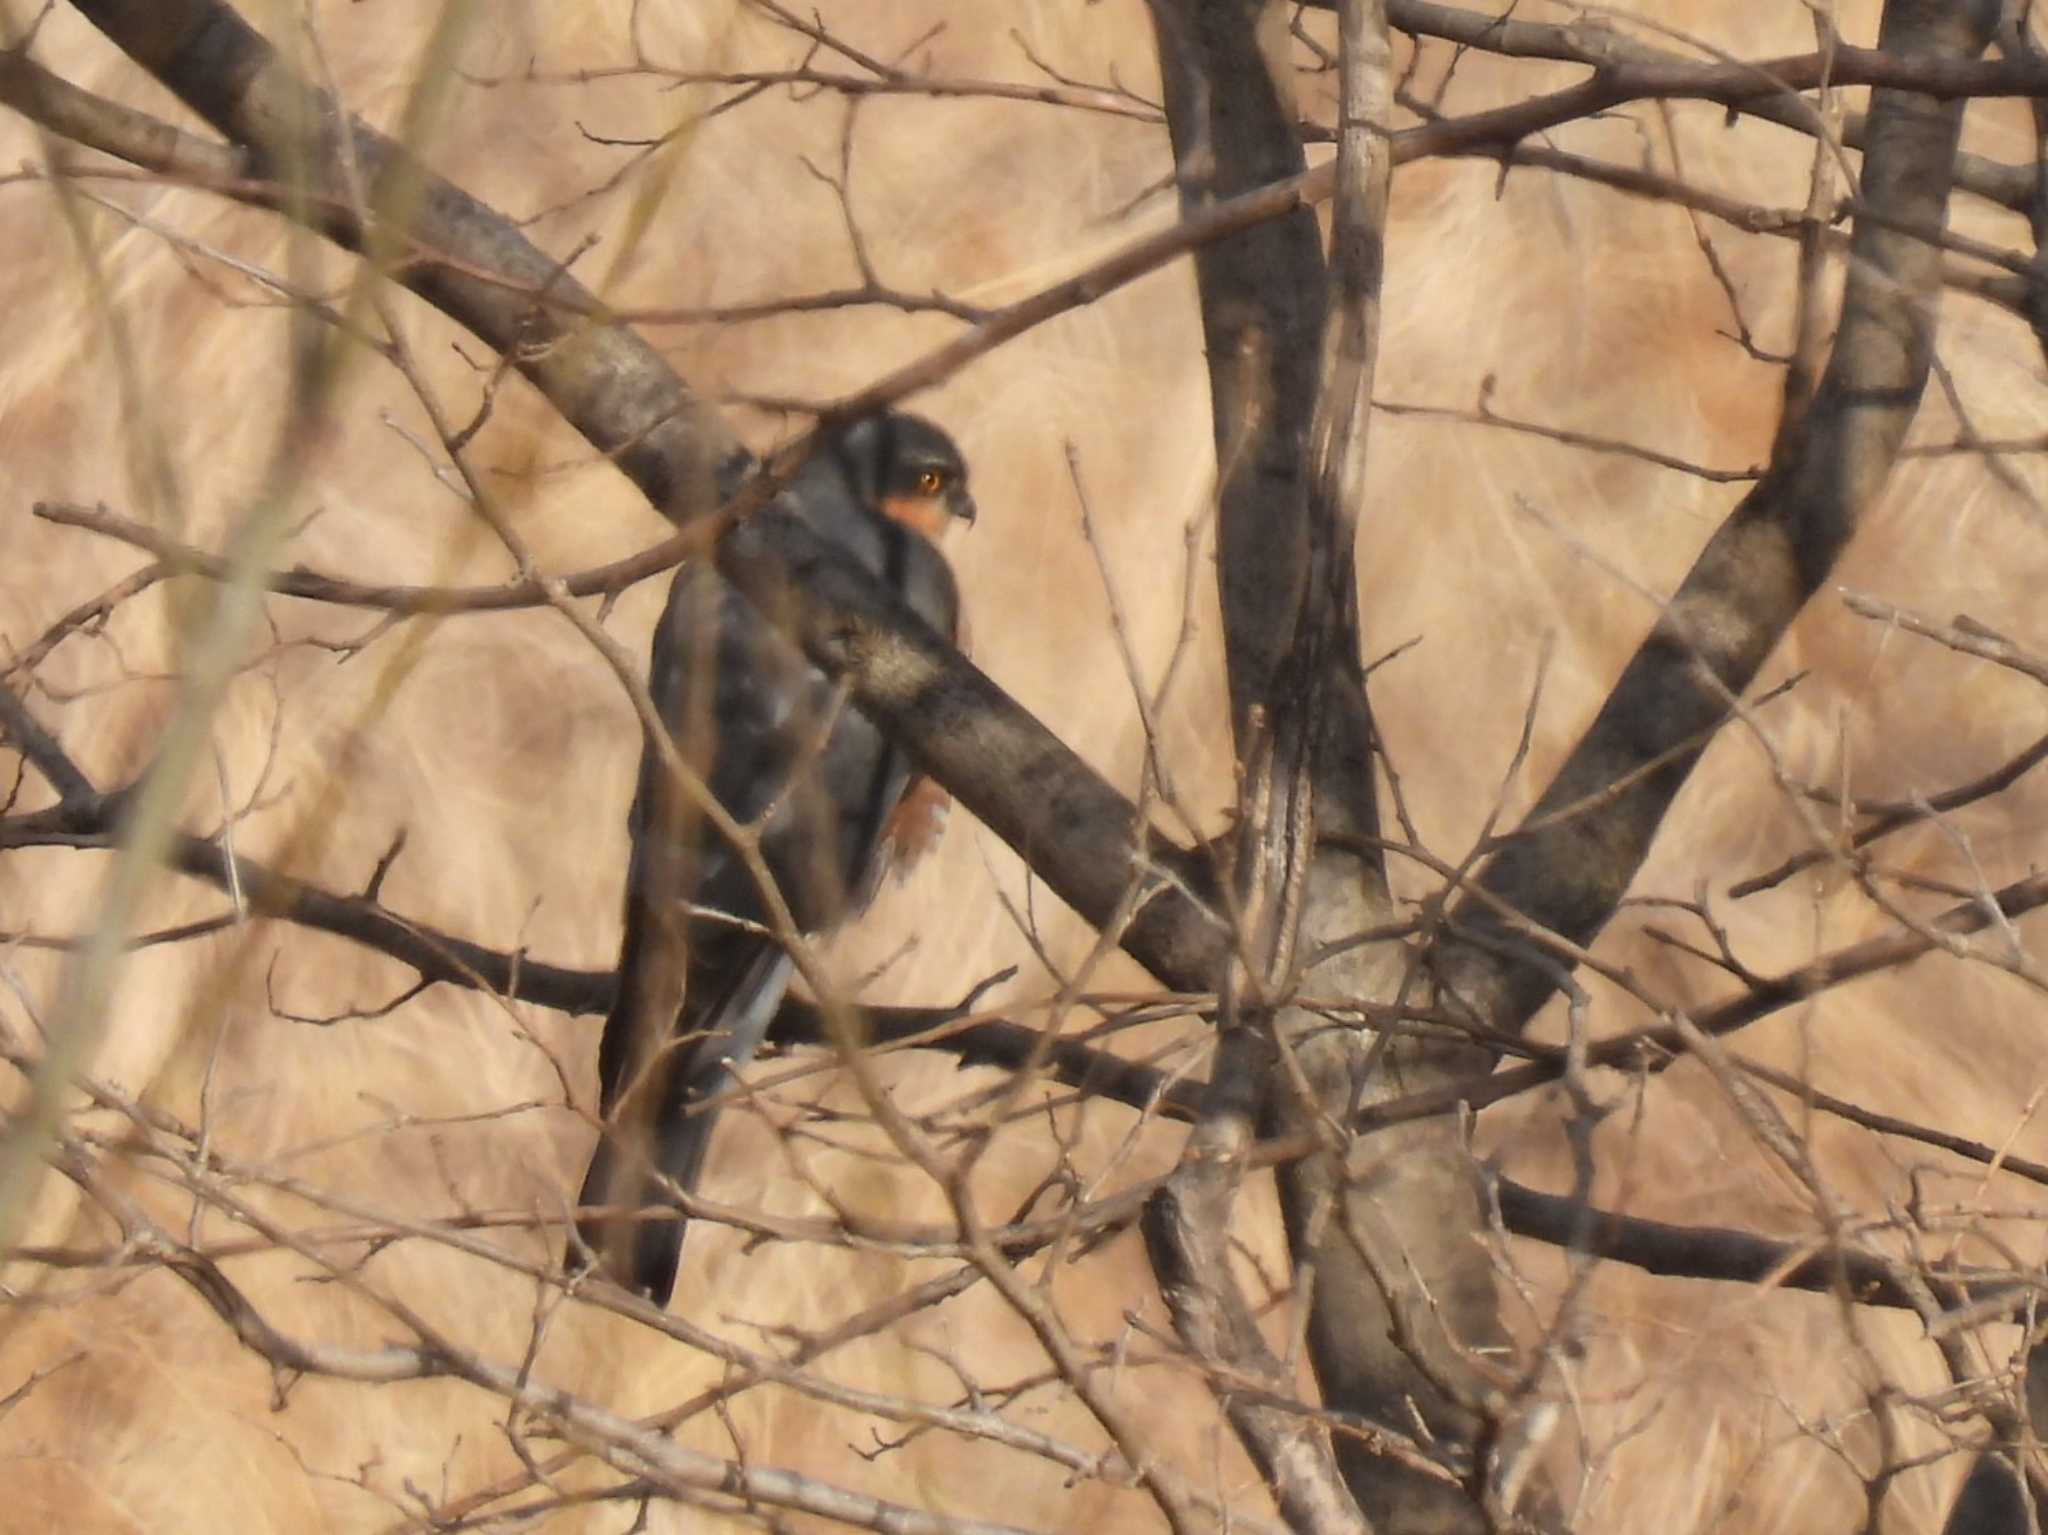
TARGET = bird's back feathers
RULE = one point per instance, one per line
(777, 745)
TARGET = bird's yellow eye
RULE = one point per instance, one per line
(932, 481)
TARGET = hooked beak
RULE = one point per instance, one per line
(960, 504)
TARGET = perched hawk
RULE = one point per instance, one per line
(772, 737)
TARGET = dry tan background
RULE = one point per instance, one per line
(504, 750)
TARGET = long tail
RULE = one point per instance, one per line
(652, 1139)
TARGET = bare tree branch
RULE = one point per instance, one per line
(33, 740)
(998, 761)
(91, 820)
(1599, 44)
(1306, 869)
(608, 383)
(617, 1440)
(606, 580)
(1331, 1045)
(1737, 1257)
(1758, 570)
(1262, 291)
(1653, 1049)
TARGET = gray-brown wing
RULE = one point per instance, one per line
(772, 738)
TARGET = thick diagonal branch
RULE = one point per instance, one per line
(608, 383)
(1568, 870)
(473, 265)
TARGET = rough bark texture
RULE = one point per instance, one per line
(1263, 302)
(1569, 868)
(1995, 1500)
(1376, 1226)
(1387, 1225)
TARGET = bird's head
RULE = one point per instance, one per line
(907, 468)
